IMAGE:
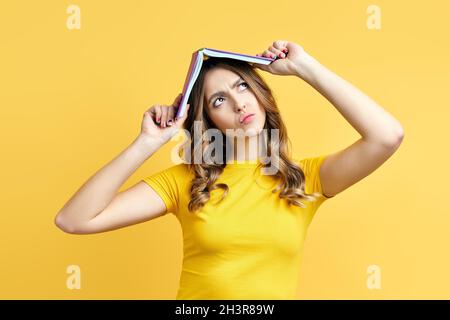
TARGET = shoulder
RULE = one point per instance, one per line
(309, 164)
(178, 173)
(180, 168)
(311, 168)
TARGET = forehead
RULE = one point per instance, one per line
(218, 79)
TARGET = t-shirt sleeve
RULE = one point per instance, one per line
(168, 184)
(311, 167)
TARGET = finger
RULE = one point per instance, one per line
(157, 111)
(180, 121)
(281, 45)
(170, 115)
(268, 54)
(175, 105)
(278, 52)
(151, 112)
(154, 113)
(258, 55)
(259, 65)
(163, 116)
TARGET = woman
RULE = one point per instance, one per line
(243, 228)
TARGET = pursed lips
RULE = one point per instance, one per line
(247, 115)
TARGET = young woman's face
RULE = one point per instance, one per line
(229, 100)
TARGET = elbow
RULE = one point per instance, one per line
(399, 135)
(395, 139)
(64, 225)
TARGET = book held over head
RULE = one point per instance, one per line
(195, 66)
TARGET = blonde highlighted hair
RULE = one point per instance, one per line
(291, 177)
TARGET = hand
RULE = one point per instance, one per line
(158, 121)
(289, 57)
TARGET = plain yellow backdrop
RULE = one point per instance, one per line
(72, 100)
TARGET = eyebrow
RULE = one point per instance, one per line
(218, 93)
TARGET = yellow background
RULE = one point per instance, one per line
(71, 100)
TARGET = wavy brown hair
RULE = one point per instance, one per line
(291, 177)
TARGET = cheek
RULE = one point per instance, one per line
(218, 120)
(225, 122)
(262, 112)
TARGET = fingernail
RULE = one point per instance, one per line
(169, 122)
(285, 50)
(281, 55)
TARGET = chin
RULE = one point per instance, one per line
(255, 127)
(247, 131)
(252, 131)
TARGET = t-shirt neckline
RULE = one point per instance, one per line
(243, 163)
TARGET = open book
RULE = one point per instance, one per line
(196, 64)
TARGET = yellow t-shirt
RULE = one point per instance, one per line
(249, 245)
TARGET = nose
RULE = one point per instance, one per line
(239, 104)
(240, 107)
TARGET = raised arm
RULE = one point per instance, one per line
(97, 206)
(381, 134)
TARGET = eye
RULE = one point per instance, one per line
(214, 103)
(246, 86)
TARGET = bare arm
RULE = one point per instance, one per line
(381, 133)
(97, 192)
(97, 206)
